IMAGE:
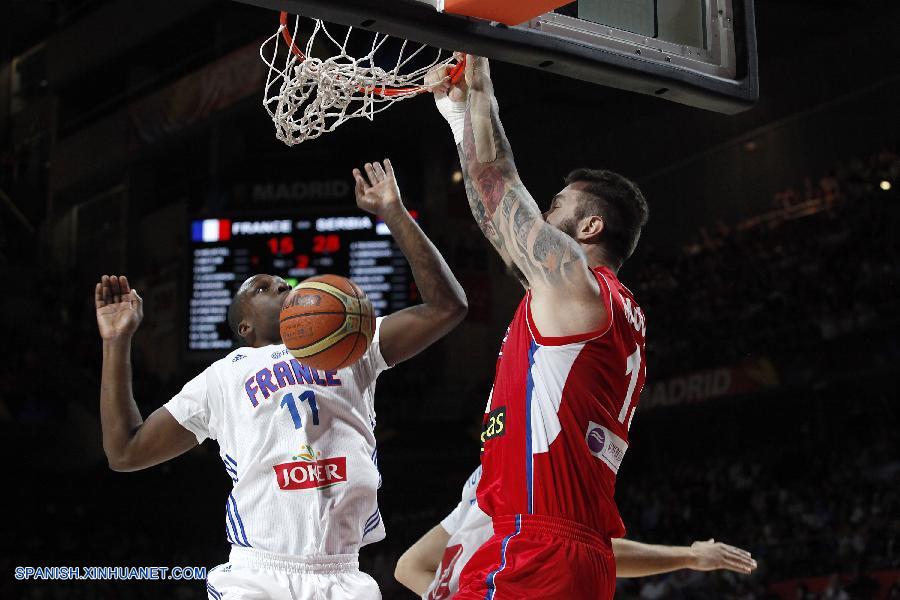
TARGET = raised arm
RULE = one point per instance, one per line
(130, 443)
(553, 264)
(407, 332)
(451, 100)
(634, 559)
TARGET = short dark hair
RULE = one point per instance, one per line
(621, 204)
(236, 314)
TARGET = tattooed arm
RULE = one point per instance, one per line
(450, 99)
(407, 332)
(485, 223)
(565, 292)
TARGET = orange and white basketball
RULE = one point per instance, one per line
(327, 322)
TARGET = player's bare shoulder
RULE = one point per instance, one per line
(572, 309)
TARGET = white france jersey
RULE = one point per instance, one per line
(469, 527)
(298, 445)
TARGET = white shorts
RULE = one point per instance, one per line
(257, 575)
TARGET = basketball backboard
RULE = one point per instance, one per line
(696, 52)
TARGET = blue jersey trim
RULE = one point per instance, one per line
(213, 592)
(529, 455)
(492, 576)
(233, 539)
(239, 520)
(372, 526)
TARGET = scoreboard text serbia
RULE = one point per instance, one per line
(226, 251)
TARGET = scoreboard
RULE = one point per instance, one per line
(226, 251)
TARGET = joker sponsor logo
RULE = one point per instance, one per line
(311, 471)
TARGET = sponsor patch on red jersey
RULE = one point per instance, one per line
(494, 425)
(606, 445)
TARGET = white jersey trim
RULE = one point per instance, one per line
(288, 563)
(190, 406)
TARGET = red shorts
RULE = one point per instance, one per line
(536, 556)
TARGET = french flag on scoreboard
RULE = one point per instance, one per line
(211, 230)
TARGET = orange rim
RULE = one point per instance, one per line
(455, 73)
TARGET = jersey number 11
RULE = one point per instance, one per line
(307, 396)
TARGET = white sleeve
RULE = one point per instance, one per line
(470, 487)
(190, 406)
(452, 522)
(467, 500)
(373, 356)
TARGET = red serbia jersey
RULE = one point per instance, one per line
(556, 425)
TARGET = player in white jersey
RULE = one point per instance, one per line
(298, 443)
(432, 565)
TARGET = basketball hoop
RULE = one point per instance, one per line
(309, 96)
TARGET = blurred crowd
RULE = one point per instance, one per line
(834, 516)
(824, 262)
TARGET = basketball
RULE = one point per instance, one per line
(327, 322)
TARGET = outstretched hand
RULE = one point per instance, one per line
(377, 192)
(711, 555)
(438, 79)
(119, 308)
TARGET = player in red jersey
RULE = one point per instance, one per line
(570, 369)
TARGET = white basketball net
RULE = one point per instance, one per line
(308, 96)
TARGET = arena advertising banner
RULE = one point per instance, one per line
(752, 375)
(196, 96)
(337, 187)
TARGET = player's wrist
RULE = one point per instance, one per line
(117, 341)
(693, 558)
(393, 212)
(455, 115)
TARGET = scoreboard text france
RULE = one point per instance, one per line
(226, 251)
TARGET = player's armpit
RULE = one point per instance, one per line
(156, 440)
(565, 293)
